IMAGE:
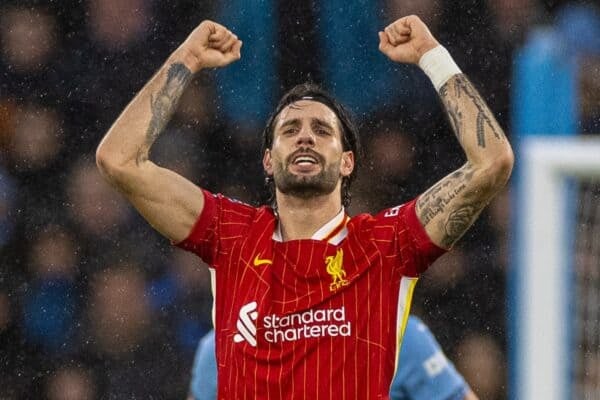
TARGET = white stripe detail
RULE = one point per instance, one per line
(407, 285)
(330, 226)
(277, 237)
(213, 290)
(322, 233)
(337, 239)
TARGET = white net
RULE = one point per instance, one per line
(586, 355)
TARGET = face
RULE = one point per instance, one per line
(307, 157)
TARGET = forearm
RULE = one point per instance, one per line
(128, 142)
(453, 204)
(476, 128)
(450, 206)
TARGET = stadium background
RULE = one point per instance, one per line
(93, 303)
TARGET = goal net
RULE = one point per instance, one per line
(555, 293)
(586, 347)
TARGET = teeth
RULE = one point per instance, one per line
(305, 159)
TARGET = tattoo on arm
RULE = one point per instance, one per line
(163, 105)
(450, 206)
(458, 222)
(465, 206)
(434, 201)
(454, 115)
(454, 103)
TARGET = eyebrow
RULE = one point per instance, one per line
(313, 121)
(291, 122)
(322, 123)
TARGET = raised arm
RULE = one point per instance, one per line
(168, 201)
(451, 206)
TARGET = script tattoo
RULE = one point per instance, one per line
(434, 202)
(163, 104)
(455, 102)
(452, 196)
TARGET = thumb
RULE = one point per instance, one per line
(235, 50)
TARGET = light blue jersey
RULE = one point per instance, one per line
(204, 372)
(424, 372)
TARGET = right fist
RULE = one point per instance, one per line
(406, 40)
(210, 45)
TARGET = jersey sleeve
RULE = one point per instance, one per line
(203, 385)
(424, 372)
(221, 218)
(410, 240)
(203, 239)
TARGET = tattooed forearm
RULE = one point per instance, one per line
(163, 105)
(435, 201)
(449, 208)
(480, 130)
(455, 102)
(458, 222)
(454, 115)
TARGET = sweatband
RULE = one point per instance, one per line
(439, 66)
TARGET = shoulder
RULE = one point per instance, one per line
(207, 342)
(385, 217)
(423, 367)
(233, 210)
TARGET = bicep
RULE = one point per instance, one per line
(451, 206)
(167, 200)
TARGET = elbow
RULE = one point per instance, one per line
(500, 169)
(506, 163)
(105, 163)
(110, 166)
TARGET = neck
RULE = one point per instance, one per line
(301, 218)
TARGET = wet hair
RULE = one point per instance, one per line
(349, 131)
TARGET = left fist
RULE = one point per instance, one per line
(406, 40)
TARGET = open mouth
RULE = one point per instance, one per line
(304, 160)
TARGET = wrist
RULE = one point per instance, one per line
(185, 57)
(439, 66)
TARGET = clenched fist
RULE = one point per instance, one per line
(406, 40)
(210, 45)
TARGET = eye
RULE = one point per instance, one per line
(322, 132)
(289, 131)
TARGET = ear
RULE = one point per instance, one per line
(347, 164)
(267, 162)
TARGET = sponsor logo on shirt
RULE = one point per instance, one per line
(335, 269)
(261, 261)
(291, 327)
(245, 324)
(307, 324)
(435, 364)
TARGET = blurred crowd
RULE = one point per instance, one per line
(96, 305)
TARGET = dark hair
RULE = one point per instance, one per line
(350, 140)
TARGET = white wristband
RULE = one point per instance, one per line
(439, 66)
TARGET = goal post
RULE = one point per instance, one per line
(543, 296)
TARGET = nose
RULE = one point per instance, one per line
(306, 137)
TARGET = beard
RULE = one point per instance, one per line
(305, 187)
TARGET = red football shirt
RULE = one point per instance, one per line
(320, 318)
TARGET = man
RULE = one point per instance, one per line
(424, 372)
(309, 303)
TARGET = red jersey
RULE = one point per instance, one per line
(320, 318)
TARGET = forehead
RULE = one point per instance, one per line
(307, 110)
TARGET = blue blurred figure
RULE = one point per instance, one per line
(424, 372)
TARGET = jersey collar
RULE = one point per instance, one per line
(332, 232)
